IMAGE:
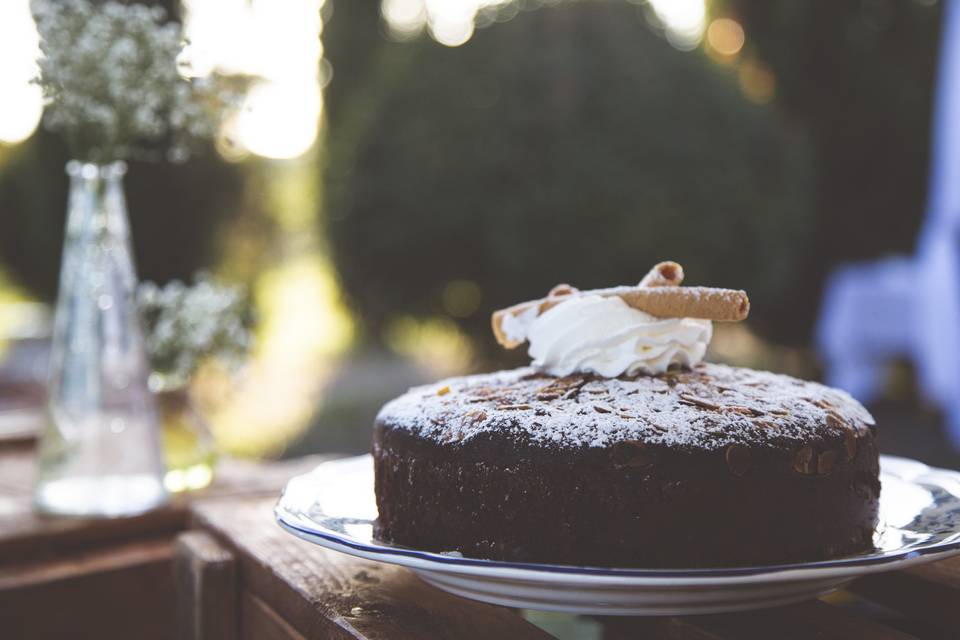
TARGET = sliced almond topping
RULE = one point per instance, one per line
(476, 415)
(688, 398)
(835, 421)
(748, 411)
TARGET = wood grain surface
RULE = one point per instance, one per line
(206, 587)
(324, 594)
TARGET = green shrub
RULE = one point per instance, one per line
(569, 144)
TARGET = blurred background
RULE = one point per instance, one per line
(402, 168)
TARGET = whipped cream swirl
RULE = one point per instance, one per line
(605, 336)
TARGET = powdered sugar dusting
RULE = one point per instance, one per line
(708, 407)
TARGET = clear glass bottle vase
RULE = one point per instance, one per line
(100, 452)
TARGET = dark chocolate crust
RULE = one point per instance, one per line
(716, 466)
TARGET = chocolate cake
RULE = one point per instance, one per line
(710, 466)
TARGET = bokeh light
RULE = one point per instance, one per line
(275, 42)
(461, 298)
(279, 119)
(278, 44)
(405, 18)
(683, 21)
(450, 22)
(756, 81)
(725, 36)
(21, 103)
(436, 345)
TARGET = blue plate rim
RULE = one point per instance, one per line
(385, 550)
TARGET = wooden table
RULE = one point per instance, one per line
(218, 567)
(268, 584)
(86, 578)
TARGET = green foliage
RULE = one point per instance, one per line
(188, 325)
(568, 144)
(110, 74)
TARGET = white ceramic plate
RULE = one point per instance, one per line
(334, 506)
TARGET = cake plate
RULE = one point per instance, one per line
(334, 507)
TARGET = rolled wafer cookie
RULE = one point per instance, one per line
(663, 274)
(706, 303)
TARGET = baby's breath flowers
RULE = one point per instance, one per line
(189, 325)
(111, 76)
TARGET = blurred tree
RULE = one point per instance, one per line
(351, 36)
(570, 143)
(860, 76)
(175, 210)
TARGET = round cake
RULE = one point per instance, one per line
(701, 467)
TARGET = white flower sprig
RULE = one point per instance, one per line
(113, 84)
(188, 325)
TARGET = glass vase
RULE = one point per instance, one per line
(100, 452)
(188, 445)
